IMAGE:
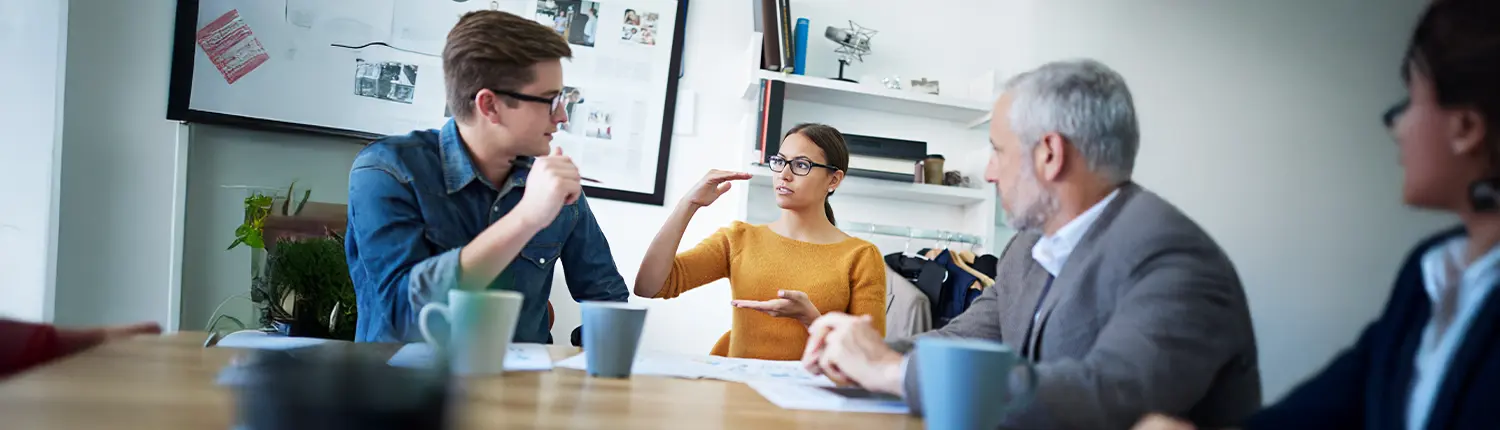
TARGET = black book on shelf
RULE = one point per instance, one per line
(768, 135)
(788, 37)
(883, 157)
(767, 19)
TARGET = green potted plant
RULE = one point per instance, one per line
(307, 287)
(300, 280)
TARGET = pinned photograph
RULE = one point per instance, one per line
(598, 124)
(572, 98)
(639, 27)
(386, 80)
(575, 20)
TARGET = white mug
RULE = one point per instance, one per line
(480, 326)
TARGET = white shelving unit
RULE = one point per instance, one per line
(892, 190)
(970, 113)
(968, 213)
(863, 201)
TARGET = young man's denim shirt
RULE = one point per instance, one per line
(416, 200)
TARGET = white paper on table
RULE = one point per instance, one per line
(712, 367)
(519, 357)
(256, 339)
(810, 397)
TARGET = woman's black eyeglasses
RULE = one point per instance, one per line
(800, 166)
(555, 101)
(1394, 113)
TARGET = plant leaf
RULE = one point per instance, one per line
(306, 194)
(287, 203)
(255, 241)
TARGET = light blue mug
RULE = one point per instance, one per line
(480, 326)
(971, 384)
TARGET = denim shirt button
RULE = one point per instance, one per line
(542, 260)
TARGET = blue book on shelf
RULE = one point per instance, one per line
(800, 52)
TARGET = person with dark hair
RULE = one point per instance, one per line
(479, 204)
(1432, 359)
(785, 274)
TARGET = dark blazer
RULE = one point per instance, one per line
(1147, 315)
(1367, 386)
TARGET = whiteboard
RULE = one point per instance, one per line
(371, 68)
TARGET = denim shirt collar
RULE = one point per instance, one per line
(459, 169)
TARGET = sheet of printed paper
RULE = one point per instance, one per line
(837, 399)
(519, 357)
(231, 46)
(712, 367)
(614, 85)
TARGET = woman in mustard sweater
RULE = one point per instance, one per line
(782, 275)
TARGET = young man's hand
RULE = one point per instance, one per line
(553, 182)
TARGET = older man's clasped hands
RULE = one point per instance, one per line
(850, 351)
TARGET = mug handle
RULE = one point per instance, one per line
(1024, 398)
(422, 321)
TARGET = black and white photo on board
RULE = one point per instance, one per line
(385, 80)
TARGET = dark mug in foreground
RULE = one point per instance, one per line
(337, 387)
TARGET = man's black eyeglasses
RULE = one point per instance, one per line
(1394, 113)
(555, 101)
(800, 166)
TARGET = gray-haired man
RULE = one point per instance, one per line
(1125, 305)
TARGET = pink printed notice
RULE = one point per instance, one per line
(232, 47)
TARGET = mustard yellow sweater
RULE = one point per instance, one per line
(848, 277)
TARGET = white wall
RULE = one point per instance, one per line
(36, 32)
(119, 160)
(1261, 121)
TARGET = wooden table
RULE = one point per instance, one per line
(168, 383)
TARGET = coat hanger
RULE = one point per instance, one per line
(906, 250)
(967, 256)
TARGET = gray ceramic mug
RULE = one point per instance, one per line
(611, 335)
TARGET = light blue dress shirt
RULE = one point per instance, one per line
(1456, 291)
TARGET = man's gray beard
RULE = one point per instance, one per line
(1040, 205)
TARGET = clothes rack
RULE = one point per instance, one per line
(910, 233)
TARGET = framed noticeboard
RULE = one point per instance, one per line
(365, 69)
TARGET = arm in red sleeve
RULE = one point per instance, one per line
(23, 345)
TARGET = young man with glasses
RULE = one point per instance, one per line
(479, 204)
